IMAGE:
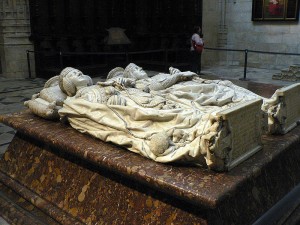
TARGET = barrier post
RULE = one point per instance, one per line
(61, 60)
(166, 59)
(127, 57)
(245, 66)
(28, 63)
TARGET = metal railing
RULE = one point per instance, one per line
(282, 210)
(127, 54)
(246, 52)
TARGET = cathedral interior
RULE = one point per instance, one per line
(152, 33)
(52, 172)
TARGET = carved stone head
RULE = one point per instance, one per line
(135, 72)
(116, 72)
(70, 80)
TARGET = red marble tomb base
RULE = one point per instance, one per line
(52, 174)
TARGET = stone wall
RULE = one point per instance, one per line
(14, 38)
(228, 24)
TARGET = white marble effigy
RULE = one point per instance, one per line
(178, 117)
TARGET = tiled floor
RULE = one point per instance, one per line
(13, 92)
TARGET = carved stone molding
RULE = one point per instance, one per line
(14, 9)
(15, 31)
(14, 18)
(15, 23)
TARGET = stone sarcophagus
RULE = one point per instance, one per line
(169, 118)
(52, 174)
(179, 129)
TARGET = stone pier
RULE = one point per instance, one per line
(14, 41)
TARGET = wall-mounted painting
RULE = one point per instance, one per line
(275, 10)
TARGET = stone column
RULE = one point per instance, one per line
(14, 38)
(222, 31)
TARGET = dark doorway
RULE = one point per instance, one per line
(65, 31)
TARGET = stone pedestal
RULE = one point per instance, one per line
(14, 41)
(290, 74)
(53, 174)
